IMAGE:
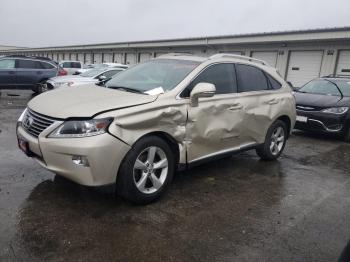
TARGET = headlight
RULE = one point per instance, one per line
(336, 110)
(20, 119)
(82, 128)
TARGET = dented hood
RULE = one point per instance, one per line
(85, 101)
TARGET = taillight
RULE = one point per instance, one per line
(62, 72)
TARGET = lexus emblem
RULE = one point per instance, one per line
(28, 121)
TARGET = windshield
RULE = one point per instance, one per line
(156, 74)
(321, 87)
(93, 72)
(344, 86)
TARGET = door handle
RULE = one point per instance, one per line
(39, 73)
(235, 107)
(12, 72)
(273, 101)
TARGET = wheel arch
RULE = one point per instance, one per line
(170, 140)
(285, 119)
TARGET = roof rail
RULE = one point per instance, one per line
(28, 56)
(336, 76)
(241, 57)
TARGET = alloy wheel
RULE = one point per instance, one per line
(277, 140)
(150, 170)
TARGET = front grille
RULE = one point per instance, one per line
(34, 123)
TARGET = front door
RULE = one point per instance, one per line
(214, 126)
(8, 73)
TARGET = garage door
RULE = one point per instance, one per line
(303, 66)
(343, 66)
(98, 58)
(144, 57)
(118, 58)
(81, 57)
(268, 57)
(61, 57)
(130, 58)
(161, 53)
(88, 58)
(107, 57)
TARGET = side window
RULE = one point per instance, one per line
(250, 78)
(111, 73)
(75, 65)
(274, 84)
(221, 75)
(46, 65)
(27, 64)
(66, 65)
(7, 64)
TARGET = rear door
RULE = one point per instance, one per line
(8, 73)
(258, 92)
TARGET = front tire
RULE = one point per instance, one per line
(275, 141)
(346, 135)
(146, 171)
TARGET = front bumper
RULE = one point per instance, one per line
(321, 122)
(104, 153)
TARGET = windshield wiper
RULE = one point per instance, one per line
(127, 89)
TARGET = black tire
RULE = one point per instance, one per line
(42, 87)
(346, 135)
(126, 183)
(264, 151)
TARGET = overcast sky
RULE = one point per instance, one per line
(36, 23)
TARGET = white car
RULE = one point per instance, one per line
(104, 65)
(71, 66)
(92, 76)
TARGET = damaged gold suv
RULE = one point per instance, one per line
(173, 112)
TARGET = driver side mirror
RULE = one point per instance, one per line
(201, 90)
(102, 78)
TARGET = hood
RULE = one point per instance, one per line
(315, 100)
(70, 78)
(84, 101)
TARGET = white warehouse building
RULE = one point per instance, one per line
(298, 55)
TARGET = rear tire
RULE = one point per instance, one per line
(146, 171)
(275, 141)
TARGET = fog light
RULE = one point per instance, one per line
(80, 160)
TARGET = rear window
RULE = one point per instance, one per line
(274, 84)
(250, 78)
(75, 65)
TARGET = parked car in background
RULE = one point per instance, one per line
(71, 66)
(27, 72)
(92, 76)
(104, 65)
(175, 111)
(323, 106)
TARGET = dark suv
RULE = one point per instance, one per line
(27, 72)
